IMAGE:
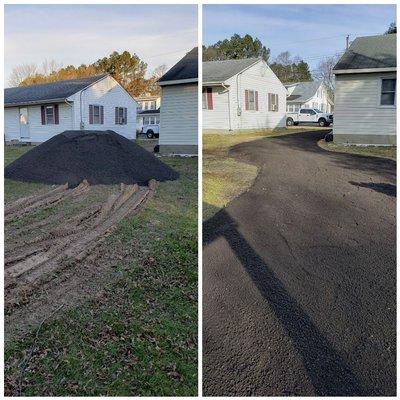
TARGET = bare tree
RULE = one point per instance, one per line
(22, 72)
(324, 73)
(50, 67)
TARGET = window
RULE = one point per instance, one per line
(251, 100)
(96, 115)
(273, 102)
(49, 113)
(207, 98)
(152, 105)
(388, 92)
(121, 114)
(304, 111)
(292, 108)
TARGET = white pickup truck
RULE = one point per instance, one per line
(309, 116)
(151, 130)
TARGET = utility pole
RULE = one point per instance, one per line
(347, 41)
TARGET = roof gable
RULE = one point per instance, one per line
(220, 71)
(303, 91)
(184, 69)
(45, 92)
(369, 52)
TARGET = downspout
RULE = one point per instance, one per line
(239, 108)
(229, 106)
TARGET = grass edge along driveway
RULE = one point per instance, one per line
(224, 177)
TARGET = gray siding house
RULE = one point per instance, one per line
(179, 111)
(365, 92)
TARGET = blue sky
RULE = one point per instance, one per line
(76, 34)
(309, 31)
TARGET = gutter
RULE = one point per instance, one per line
(363, 70)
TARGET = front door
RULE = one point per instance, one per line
(23, 123)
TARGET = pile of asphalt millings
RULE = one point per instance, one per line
(100, 157)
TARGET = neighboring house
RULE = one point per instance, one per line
(179, 111)
(365, 92)
(308, 95)
(148, 111)
(36, 113)
(242, 94)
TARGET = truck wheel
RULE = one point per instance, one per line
(296, 123)
(322, 122)
(289, 122)
(150, 134)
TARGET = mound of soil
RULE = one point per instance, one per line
(100, 157)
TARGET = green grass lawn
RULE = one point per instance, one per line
(138, 336)
(225, 178)
(374, 151)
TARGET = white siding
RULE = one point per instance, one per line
(218, 117)
(357, 109)
(38, 132)
(179, 115)
(109, 94)
(258, 77)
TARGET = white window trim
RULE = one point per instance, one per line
(97, 105)
(54, 115)
(381, 78)
(254, 102)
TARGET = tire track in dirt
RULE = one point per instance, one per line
(69, 245)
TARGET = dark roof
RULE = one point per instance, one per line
(186, 68)
(370, 52)
(149, 112)
(45, 92)
(220, 71)
(303, 90)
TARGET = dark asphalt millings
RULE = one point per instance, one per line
(299, 276)
(100, 157)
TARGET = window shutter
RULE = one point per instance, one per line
(43, 115)
(91, 114)
(101, 115)
(125, 116)
(246, 99)
(209, 99)
(256, 96)
(269, 102)
(56, 116)
(116, 116)
(277, 103)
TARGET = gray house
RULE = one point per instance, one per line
(179, 111)
(311, 94)
(365, 92)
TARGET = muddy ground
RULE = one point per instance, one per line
(54, 248)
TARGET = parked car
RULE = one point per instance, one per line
(151, 130)
(309, 116)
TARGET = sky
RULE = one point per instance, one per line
(311, 32)
(81, 34)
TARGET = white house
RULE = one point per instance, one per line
(242, 94)
(179, 111)
(148, 111)
(308, 95)
(36, 113)
(365, 92)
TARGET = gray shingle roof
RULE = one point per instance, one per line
(220, 71)
(186, 68)
(370, 52)
(46, 92)
(303, 91)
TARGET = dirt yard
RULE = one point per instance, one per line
(99, 253)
